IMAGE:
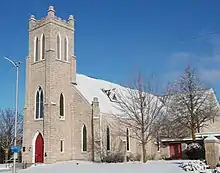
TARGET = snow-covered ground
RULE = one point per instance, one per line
(88, 167)
(69, 167)
(3, 167)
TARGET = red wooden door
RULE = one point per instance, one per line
(39, 149)
(175, 151)
(179, 152)
(172, 150)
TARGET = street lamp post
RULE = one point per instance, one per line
(16, 65)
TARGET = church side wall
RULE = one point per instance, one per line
(81, 111)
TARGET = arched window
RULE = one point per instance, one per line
(108, 138)
(39, 105)
(36, 49)
(61, 105)
(42, 46)
(128, 140)
(84, 140)
(58, 46)
(66, 49)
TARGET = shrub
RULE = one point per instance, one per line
(194, 151)
(132, 157)
(113, 158)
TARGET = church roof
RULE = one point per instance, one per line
(90, 87)
(105, 91)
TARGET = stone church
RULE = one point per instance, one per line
(59, 103)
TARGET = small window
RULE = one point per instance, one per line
(43, 47)
(61, 105)
(62, 146)
(108, 139)
(84, 140)
(66, 49)
(128, 140)
(58, 47)
(36, 49)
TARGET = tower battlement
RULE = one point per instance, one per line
(51, 17)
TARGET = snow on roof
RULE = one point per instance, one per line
(205, 134)
(211, 138)
(91, 87)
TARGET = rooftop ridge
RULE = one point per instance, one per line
(103, 80)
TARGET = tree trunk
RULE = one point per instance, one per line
(143, 152)
(193, 133)
(198, 129)
(6, 154)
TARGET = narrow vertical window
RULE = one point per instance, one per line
(61, 105)
(108, 138)
(37, 105)
(36, 49)
(43, 47)
(58, 47)
(41, 104)
(61, 146)
(84, 138)
(65, 49)
(128, 140)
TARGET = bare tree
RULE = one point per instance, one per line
(173, 129)
(141, 110)
(7, 130)
(190, 105)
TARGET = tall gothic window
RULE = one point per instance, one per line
(36, 49)
(61, 105)
(42, 46)
(66, 49)
(84, 138)
(108, 138)
(39, 105)
(58, 47)
(62, 146)
(128, 140)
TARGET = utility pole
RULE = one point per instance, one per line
(93, 139)
(16, 65)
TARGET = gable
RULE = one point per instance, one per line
(103, 90)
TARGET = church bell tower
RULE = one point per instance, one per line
(50, 74)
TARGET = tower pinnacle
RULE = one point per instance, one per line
(51, 11)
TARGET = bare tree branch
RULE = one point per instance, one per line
(141, 110)
(7, 130)
(190, 105)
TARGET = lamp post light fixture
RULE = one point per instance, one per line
(16, 65)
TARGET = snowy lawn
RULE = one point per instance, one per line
(3, 167)
(84, 167)
(88, 167)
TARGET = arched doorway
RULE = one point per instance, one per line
(39, 149)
